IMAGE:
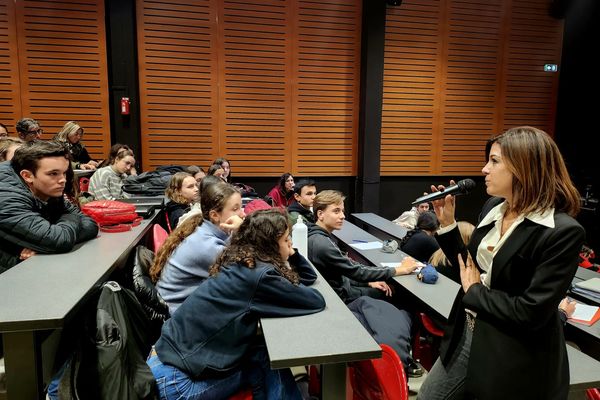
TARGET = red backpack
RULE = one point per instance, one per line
(112, 215)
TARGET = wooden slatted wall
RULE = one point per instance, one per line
(178, 83)
(460, 71)
(10, 104)
(62, 63)
(255, 102)
(260, 97)
(327, 71)
(411, 98)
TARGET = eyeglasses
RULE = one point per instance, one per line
(38, 131)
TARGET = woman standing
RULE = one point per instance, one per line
(71, 135)
(505, 337)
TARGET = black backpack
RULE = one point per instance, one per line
(151, 183)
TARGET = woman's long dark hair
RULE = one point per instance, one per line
(427, 221)
(256, 240)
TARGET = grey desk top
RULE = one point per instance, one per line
(333, 335)
(384, 225)
(584, 370)
(438, 297)
(583, 274)
(41, 292)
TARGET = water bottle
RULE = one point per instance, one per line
(300, 236)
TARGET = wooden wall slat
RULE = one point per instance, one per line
(177, 62)
(63, 72)
(458, 72)
(272, 84)
(10, 101)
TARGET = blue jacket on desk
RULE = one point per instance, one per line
(54, 226)
(212, 330)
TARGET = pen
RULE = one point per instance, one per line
(359, 241)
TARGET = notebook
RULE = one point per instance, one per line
(592, 285)
(585, 314)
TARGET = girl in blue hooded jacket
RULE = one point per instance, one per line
(210, 348)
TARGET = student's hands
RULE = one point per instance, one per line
(469, 274)
(567, 306)
(93, 164)
(384, 287)
(444, 208)
(87, 166)
(407, 266)
(231, 224)
(26, 253)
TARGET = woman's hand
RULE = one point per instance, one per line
(444, 208)
(87, 166)
(469, 274)
(384, 287)
(231, 224)
(567, 306)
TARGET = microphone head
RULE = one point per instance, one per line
(466, 185)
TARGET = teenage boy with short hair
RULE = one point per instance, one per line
(347, 277)
(304, 192)
(34, 216)
(352, 280)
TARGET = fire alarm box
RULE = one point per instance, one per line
(125, 105)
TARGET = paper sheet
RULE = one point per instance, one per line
(584, 312)
(395, 264)
(367, 246)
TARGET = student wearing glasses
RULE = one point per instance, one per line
(29, 129)
(71, 135)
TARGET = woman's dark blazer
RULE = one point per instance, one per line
(518, 349)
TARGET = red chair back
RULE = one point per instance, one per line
(379, 379)
(592, 394)
(242, 395)
(159, 235)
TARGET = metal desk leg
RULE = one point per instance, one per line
(333, 381)
(23, 367)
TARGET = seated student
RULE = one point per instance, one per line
(304, 194)
(182, 192)
(217, 170)
(348, 278)
(226, 166)
(29, 130)
(183, 261)
(3, 131)
(112, 154)
(107, 182)
(419, 242)
(197, 172)
(34, 216)
(283, 193)
(8, 146)
(210, 349)
(408, 219)
(71, 135)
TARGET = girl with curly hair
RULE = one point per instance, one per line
(210, 347)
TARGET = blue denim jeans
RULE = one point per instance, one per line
(255, 372)
(448, 382)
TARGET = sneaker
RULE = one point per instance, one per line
(414, 369)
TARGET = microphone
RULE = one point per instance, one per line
(461, 187)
